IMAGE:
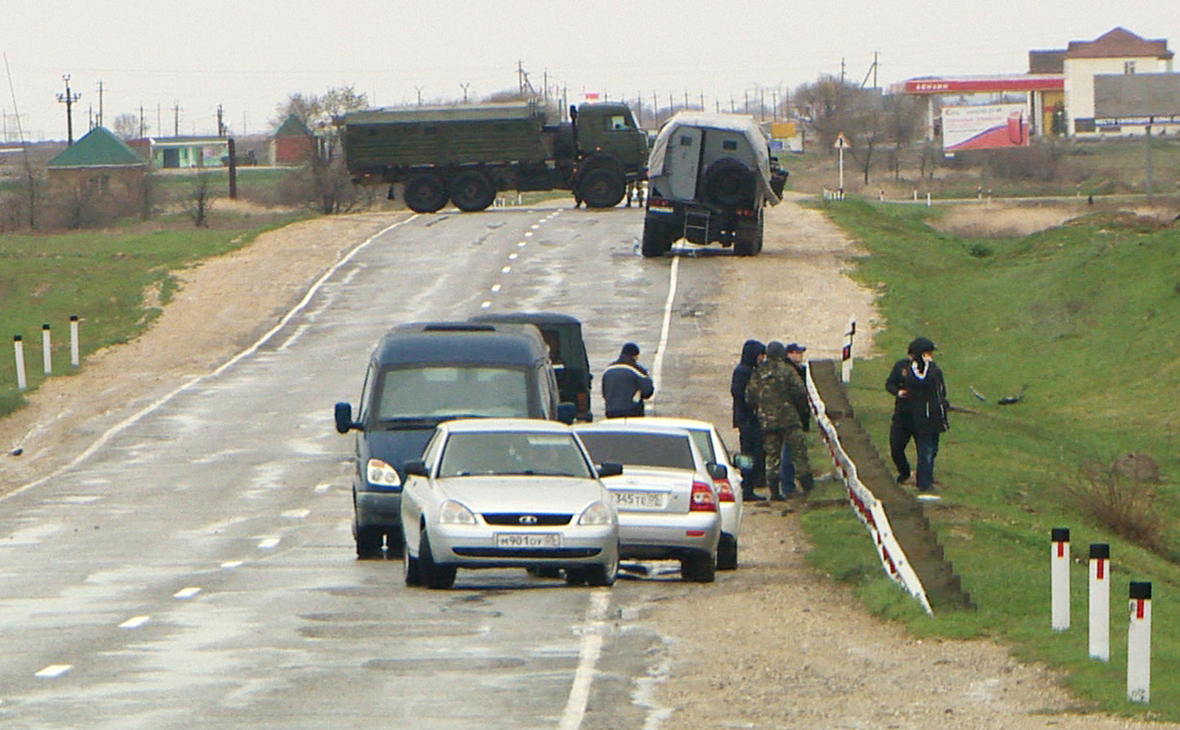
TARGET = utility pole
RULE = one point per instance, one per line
(98, 119)
(220, 121)
(419, 90)
(465, 87)
(176, 119)
(68, 99)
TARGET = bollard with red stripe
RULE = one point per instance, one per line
(846, 353)
(1100, 601)
(1139, 644)
(1059, 578)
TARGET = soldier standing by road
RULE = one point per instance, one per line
(796, 440)
(745, 420)
(626, 384)
(772, 392)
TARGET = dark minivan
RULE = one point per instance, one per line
(420, 375)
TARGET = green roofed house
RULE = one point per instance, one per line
(291, 143)
(99, 172)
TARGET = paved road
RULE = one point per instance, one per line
(197, 570)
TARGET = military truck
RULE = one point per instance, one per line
(709, 178)
(469, 153)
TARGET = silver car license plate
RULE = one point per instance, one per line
(640, 500)
(528, 540)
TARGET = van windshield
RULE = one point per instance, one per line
(435, 391)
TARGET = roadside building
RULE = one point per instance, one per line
(1031, 98)
(99, 162)
(291, 143)
(169, 153)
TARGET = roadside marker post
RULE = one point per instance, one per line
(1139, 644)
(18, 348)
(846, 353)
(1059, 577)
(1100, 601)
(46, 350)
(75, 358)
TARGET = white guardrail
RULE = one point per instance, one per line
(867, 507)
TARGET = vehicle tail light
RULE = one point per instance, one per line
(724, 490)
(703, 499)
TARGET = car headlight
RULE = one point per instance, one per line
(382, 474)
(453, 513)
(596, 514)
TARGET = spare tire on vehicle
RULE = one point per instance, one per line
(730, 184)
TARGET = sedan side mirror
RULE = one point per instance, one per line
(609, 469)
(717, 471)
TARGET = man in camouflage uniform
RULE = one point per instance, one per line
(776, 392)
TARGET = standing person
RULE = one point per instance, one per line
(919, 412)
(745, 420)
(796, 441)
(771, 393)
(626, 384)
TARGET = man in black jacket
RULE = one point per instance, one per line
(626, 384)
(745, 420)
(919, 412)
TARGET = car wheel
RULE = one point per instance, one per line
(727, 552)
(698, 568)
(472, 191)
(575, 576)
(368, 542)
(395, 543)
(602, 188)
(411, 569)
(657, 238)
(425, 194)
(603, 574)
(435, 576)
(748, 238)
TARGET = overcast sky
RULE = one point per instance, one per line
(249, 57)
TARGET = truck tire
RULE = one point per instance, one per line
(657, 238)
(425, 193)
(602, 188)
(748, 237)
(729, 184)
(472, 191)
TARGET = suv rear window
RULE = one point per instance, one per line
(450, 390)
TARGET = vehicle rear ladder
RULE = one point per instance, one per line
(696, 226)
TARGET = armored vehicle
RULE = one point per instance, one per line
(710, 176)
(468, 153)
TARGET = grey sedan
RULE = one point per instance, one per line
(496, 493)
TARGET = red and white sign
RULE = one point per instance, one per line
(991, 126)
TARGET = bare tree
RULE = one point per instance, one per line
(126, 126)
(328, 187)
(199, 201)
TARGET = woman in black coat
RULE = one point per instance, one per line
(921, 410)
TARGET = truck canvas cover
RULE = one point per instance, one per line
(741, 124)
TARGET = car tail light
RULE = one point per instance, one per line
(724, 490)
(703, 499)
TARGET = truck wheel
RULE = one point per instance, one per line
(729, 184)
(472, 191)
(748, 238)
(425, 194)
(657, 238)
(602, 188)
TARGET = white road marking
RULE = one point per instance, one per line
(53, 671)
(521, 244)
(186, 593)
(657, 367)
(575, 706)
(513, 256)
(496, 288)
(296, 514)
(231, 564)
(485, 305)
(135, 622)
(269, 543)
(505, 269)
(322, 487)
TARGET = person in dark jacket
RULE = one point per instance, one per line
(745, 420)
(773, 392)
(919, 412)
(626, 384)
(796, 439)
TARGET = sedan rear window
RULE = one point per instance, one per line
(499, 453)
(450, 390)
(669, 451)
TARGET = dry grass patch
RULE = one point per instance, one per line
(987, 220)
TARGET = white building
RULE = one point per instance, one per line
(1119, 51)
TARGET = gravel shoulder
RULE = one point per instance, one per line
(786, 648)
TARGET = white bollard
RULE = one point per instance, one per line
(927, 200)
(1100, 601)
(46, 356)
(75, 357)
(846, 353)
(1139, 644)
(19, 349)
(1059, 578)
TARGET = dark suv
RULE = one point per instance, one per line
(420, 375)
(567, 350)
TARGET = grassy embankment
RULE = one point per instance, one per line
(104, 278)
(1086, 315)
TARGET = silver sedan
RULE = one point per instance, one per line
(496, 493)
(667, 501)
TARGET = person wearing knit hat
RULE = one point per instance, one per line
(626, 384)
(920, 410)
(745, 420)
(772, 392)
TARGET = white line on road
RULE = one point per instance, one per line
(53, 671)
(231, 564)
(296, 514)
(575, 706)
(657, 367)
(186, 593)
(269, 543)
(135, 622)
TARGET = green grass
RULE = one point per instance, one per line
(100, 276)
(1086, 316)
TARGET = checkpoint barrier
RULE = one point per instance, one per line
(906, 544)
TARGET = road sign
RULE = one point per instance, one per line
(841, 142)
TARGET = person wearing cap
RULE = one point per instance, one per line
(797, 441)
(920, 412)
(773, 392)
(626, 384)
(745, 420)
